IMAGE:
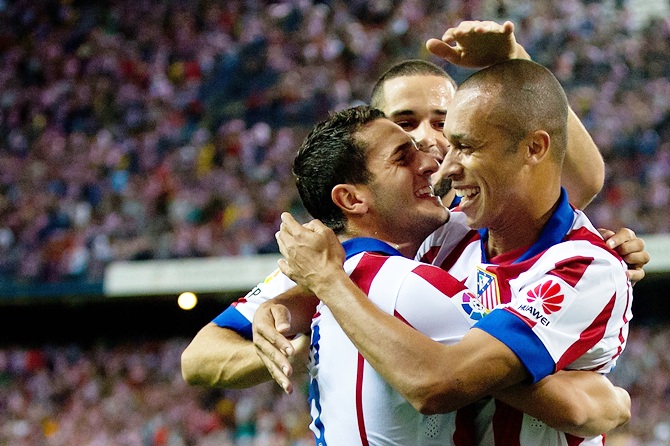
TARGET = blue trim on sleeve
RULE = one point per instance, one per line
(520, 338)
(233, 319)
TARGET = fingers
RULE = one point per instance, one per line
(271, 346)
(635, 275)
(443, 50)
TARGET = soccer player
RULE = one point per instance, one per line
(368, 181)
(562, 297)
(414, 94)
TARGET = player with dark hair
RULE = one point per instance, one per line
(556, 296)
(414, 94)
(366, 178)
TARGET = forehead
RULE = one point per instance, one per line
(469, 112)
(382, 137)
(418, 93)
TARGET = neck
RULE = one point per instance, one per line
(407, 249)
(522, 230)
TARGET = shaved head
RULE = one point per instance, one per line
(525, 97)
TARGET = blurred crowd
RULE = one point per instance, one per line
(137, 129)
(132, 394)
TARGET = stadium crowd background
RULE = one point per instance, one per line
(135, 130)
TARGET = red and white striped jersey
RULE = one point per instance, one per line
(562, 303)
(350, 402)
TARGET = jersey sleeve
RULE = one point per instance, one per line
(431, 301)
(239, 315)
(573, 316)
(440, 243)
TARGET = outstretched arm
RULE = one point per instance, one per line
(479, 44)
(581, 403)
(220, 357)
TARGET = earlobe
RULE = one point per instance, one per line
(350, 198)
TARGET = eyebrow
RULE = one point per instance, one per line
(437, 111)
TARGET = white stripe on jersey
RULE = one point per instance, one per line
(575, 295)
(350, 403)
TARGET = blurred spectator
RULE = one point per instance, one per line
(132, 394)
(143, 130)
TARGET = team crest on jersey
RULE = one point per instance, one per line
(473, 307)
(487, 288)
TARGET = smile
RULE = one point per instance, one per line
(466, 192)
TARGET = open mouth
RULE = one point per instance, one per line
(425, 192)
(466, 193)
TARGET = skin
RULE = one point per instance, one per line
(220, 357)
(521, 169)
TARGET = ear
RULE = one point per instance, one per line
(538, 144)
(350, 198)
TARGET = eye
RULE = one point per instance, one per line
(406, 125)
(438, 125)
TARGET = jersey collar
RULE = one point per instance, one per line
(366, 244)
(553, 233)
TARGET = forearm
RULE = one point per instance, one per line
(577, 402)
(219, 357)
(583, 173)
(433, 377)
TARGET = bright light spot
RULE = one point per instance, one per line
(187, 300)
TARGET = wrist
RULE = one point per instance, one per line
(521, 53)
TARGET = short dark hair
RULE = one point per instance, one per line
(412, 67)
(528, 98)
(331, 155)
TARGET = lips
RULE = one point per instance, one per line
(425, 192)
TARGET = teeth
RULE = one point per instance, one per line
(428, 190)
(466, 191)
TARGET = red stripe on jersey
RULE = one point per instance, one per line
(359, 400)
(366, 270)
(589, 337)
(465, 433)
(429, 256)
(507, 423)
(458, 250)
(571, 270)
(574, 441)
(362, 276)
(595, 239)
(443, 281)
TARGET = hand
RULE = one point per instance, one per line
(271, 323)
(630, 248)
(477, 44)
(310, 252)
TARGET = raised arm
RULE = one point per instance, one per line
(475, 44)
(581, 403)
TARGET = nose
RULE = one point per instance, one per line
(427, 164)
(426, 138)
(451, 164)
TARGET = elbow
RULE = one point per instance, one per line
(189, 367)
(439, 397)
